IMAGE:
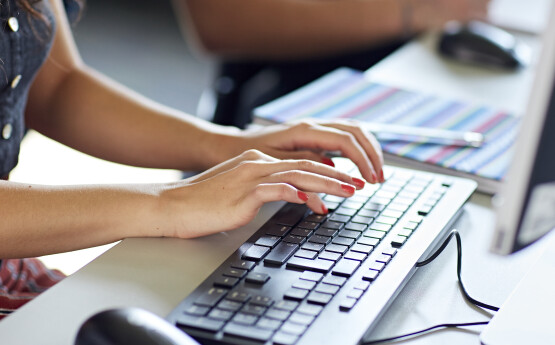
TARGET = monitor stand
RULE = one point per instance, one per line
(527, 315)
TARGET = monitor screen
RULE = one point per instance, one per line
(526, 203)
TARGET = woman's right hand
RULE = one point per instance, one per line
(230, 194)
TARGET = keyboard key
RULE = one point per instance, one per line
(362, 248)
(295, 294)
(290, 215)
(380, 227)
(368, 213)
(334, 280)
(343, 241)
(389, 251)
(377, 266)
(317, 247)
(394, 206)
(286, 305)
(317, 265)
(345, 267)
(252, 309)
(308, 225)
(245, 319)
(211, 297)
(386, 220)
(307, 254)
(334, 198)
(257, 278)
(310, 309)
(398, 241)
(346, 211)
(424, 210)
(362, 220)
(362, 285)
(267, 323)
(319, 239)
(329, 256)
(337, 248)
(219, 314)
(293, 328)
(339, 218)
(264, 301)
(353, 255)
(202, 323)
(242, 264)
(255, 253)
(383, 258)
(374, 206)
(370, 275)
(312, 276)
(392, 213)
(369, 241)
(251, 333)
(349, 234)
(235, 272)
(304, 284)
(238, 296)
(411, 225)
(281, 253)
(316, 218)
(355, 226)
(355, 205)
(404, 232)
(319, 298)
(301, 319)
(226, 282)
(281, 338)
(301, 232)
(333, 225)
(327, 288)
(355, 293)
(277, 314)
(374, 234)
(294, 239)
(277, 230)
(229, 305)
(347, 304)
(268, 241)
(197, 310)
(326, 232)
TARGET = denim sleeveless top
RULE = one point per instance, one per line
(25, 42)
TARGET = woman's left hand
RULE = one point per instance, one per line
(311, 139)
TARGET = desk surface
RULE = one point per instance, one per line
(156, 274)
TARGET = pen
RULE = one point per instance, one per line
(385, 132)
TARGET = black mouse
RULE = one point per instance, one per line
(480, 43)
(130, 326)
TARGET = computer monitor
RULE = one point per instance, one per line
(526, 203)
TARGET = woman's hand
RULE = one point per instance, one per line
(231, 194)
(311, 139)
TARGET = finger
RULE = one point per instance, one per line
(316, 204)
(312, 182)
(308, 155)
(268, 192)
(332, 139)
(368, 142)
(295, 167)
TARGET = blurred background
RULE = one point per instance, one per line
(139, 44)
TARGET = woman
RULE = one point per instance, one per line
(45, 86)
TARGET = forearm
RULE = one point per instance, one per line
(38, 220)
(100, 117)
(284, 29)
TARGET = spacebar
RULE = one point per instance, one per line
(317, 265)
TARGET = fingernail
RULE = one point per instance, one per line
(302, 195)
(328, 161)
(374, 178)
(324, 209)
(348, 188)
(358, 182)
(382, 178)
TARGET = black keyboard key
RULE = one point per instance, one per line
(219, 314)
(362, 248)
(245, 319)
(319, 239)
(317, 247)
(290, 214)
(264, 301)
(345, 267)
(326, 232)
(316, 218)
(333, 225)
(238, 296)
(257, 278)
(339, 218)
(343, 241)
(268, 241)
(243, 264)
(319, 298)
(286, 305)
(282, 338)
(356, 226)
(295, 294)
(253, 309)
(347, 304)
(226, 282)
(337, 248)
(277, 230)
(301, 232)
(318, 265)
(250, 333)
(308, 225)
(229, 305)
(197, 310)
(294, 239)
(255, 253)
(312, 276)
(235, 272)
(211, 297)
(202, 323)
(334, 280)
(307, 254)
(281, 253)
(325, 255)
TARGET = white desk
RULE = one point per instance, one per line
(156, 274)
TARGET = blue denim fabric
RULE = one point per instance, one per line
(21, 53)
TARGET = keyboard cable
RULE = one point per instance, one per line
(453, 233)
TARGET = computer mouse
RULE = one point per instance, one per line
(127, 326)
(480, 43)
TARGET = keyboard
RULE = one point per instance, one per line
(305, 278)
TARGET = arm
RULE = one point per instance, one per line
(290, 29)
